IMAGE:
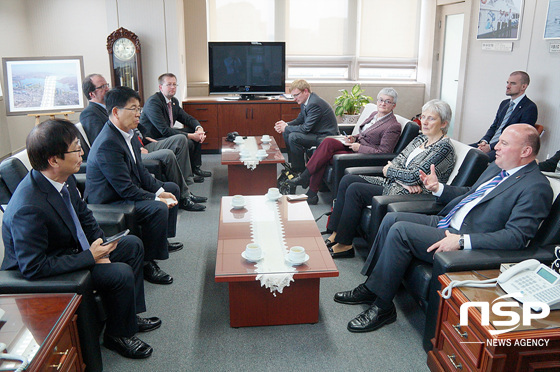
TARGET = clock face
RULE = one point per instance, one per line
(124, 49)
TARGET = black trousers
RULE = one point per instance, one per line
(297, 143)
(354, 194)
(401, 237)
(121, 284)
(158, 223)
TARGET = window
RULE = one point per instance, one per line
(327, 39)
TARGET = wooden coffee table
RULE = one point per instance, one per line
(253, 305)
(246, 181)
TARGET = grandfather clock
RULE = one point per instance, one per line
(126, 64)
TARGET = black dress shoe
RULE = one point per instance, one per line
(128, 347)
(148, 324)
(312, 199)
(198, 179)
(372, 319)
(299, 180)
(174, 246)
(329, 244)
(359, 295)
(188, 205)
(198, 199)
(154, 274)
(202, 173)
(346, 254)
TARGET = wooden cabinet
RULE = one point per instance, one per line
(472, 347)
(250, 118)
(43, 328)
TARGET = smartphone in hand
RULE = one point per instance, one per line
(116, 237)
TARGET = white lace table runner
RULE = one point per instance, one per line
(267, 230)
(250, 161)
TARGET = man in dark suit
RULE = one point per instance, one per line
(160, 113)
(115, 174)
(48, 230)
(517, 109)
(502, 210)
(551, 164)
(171, 152)
(315, 121)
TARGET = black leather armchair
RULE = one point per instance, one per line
(469, 165)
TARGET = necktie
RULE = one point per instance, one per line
(79, 231)
(170, 111)
(504, 121)
(444, 223)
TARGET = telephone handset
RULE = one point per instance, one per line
(534, 281)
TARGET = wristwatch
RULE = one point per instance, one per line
(462, 242)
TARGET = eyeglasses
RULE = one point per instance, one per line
(79, 150)
(135, 109)
(102, 86)
(296, 95)
(173, 85)
(386, 101)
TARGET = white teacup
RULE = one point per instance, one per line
(296, 254)
(273, 193)
(238, 139)
(238, 201)
(245, 153)
(262, 153)
(253, 251)
(265, 138)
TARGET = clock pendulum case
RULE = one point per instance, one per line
(126, 64)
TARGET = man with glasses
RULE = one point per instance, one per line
(48, 230)
(115, 175)
(160, 113)
(315, 121)
(172, 153)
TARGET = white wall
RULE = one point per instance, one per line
(487, 72)
(33, 28)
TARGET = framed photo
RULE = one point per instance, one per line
(552, 27)
(499, 19)
(43, 84)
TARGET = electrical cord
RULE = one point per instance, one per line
(20, 358)
(446, 293)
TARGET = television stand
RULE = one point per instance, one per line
(245, 97)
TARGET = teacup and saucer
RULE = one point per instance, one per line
(261, 154)
(265, 138)
(238, 202)
(253, 252)
(238, 140)
(273, 194)
(297, 256)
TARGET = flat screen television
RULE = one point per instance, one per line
(250, 69)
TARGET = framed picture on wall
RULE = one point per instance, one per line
(43, 84)
(552, 26)
(499, 19)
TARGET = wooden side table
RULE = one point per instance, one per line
(43, 328)
(473, 348)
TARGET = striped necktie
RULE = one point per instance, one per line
(79, 231)
(501, 129)
(444, 223)
(170, 112)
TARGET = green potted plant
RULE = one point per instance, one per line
(349, 104)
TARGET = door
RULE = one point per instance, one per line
(451, 37)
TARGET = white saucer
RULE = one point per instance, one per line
(262, 157)
(267, 142)
(238, 206)
(297, 263)
(239, 142)
(273, 198)
(252, 259)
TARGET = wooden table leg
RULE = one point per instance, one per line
(252, 305)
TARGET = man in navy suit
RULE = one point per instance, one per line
(172, 153)
(517, 109)
(48, 230)
(115, 175)
(315, 121)
(502, 210)
(160, 113)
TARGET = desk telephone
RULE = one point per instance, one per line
(535, 281)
